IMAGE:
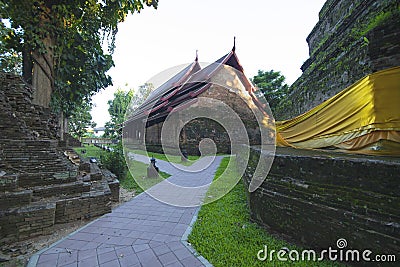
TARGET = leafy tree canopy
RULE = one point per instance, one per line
(10, 59)
(139, 97)
(117, 109)
(272, 86)
(124, 103)
(73, 33)
(80, 120)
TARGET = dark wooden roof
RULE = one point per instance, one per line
(183, 89)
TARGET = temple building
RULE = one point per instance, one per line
(226, 88)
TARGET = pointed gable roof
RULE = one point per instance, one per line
(183, 89)
(166, 90)
(176, 80)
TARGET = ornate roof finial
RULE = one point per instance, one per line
(234, 44)
(197, 56)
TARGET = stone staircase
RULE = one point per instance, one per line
(39, 184)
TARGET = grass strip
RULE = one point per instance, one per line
(225, 236)
(90, 151)
(139, 181)
(129, 182)
(169, 158)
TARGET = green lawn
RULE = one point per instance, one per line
(170, 158)
(129, 182)
(224, 235)
(139, 182)
(91, 151)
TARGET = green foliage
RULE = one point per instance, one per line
(90, 151)
(80, 120)
(114, 161)
(381, 18)
(10, 59)
(225, 236)
(76, 31)
(117, 109)
(139, 97)
(123, 104)
(272, 85)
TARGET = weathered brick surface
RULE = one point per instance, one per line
(95, 172)
(341, 52)
(64, 190)
(15, 199)
(84, 207)
(26, 222)
(315, 198)
(39, 186)
(23, 119)
(8, 182)
(113, 184)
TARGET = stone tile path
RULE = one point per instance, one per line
(142, 232)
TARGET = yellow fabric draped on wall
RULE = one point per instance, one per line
(356, 119)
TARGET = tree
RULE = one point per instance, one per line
(61, 45)
(10, 59)
(272, 86)
(139, 97)
(117, 109)
(80, 120)
(123, 104)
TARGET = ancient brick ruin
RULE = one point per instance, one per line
(314, 197)
(39, 185)
(351, 40)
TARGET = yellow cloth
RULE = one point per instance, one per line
(355, 118)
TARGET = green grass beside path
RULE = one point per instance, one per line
(169, 158)
(225, 236)
(129, 182)
(90, 151)
(139, 181)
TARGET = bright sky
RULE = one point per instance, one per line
(270, 34)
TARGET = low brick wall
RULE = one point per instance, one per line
(26, 222)
(15, 199)
(72, 209)
(315, 198)
(61, 189)
(8, 182)
(45, 178)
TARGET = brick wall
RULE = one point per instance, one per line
(341, 53)
(314, 198)
(39, 186)
(72, 209)
(23, 223)
(197, 129)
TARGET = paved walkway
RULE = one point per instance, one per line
(141, 232)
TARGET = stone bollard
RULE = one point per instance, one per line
(184, 156)
(152, 170)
